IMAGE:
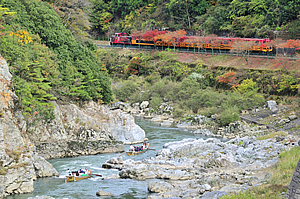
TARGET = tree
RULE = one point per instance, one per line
(240, 46)
(75, 57)
(184, 11)
(74, 15)
(100, 17)
(171, 37)
(4, 12)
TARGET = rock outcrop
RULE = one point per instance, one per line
(294, 188)
(88, 130)
(19, 164)
(196, 167)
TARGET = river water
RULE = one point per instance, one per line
(121, 188)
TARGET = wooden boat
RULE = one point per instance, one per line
(75, 176)
(137, 152)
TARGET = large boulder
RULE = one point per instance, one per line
(294, 187)
(43, 168)
(272, 105)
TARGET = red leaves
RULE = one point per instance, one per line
(150, 35)
(228, 77)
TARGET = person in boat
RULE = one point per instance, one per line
(145, 144)
(131, 148)
(69, 172)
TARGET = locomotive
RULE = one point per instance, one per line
(215, 43)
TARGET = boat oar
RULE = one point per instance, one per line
(152, 149)
(123, 153)
(97, 174)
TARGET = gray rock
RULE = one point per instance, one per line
(207, 187)
(272, 105)
(103, 193)
(294, 187)
(253, 181)
(213, 195)
(159, 186)
(43, 168)
(292, 117)
(166, 123)
(119, 105)
(144, 105)
(41, 197)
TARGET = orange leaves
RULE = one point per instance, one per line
(291, 43)
(23, 36)
(171, 36)
(228, 77)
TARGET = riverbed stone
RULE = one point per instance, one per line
(103, 193)
(159, 186)
(213, 195)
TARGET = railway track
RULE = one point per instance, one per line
(198, 51)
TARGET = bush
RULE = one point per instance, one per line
(155, 102)
(123, 90)
(204, 99)
(228, 115)
(248, 87)
(178, 112)
(208, 111)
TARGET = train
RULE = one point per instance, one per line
(215, 43)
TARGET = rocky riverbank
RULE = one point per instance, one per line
(255, 122)
(197, 167)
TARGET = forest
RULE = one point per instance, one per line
(49, 47)
(240, 18)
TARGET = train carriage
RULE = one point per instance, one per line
(215, 43)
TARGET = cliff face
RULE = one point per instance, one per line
(18, 161)
(88, 130)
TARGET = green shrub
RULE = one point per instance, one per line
(208, 111)
(178, 112)
(248, 87)
(155, 102)
(228, 115)
(123, 90)
(204, 99)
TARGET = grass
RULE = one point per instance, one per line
(279, 182)
(3, 171)
(272, 135)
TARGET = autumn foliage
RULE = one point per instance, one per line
(23, 36)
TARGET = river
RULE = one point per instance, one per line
(121, 188)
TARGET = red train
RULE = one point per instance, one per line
(218, 43)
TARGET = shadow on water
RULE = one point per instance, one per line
(121, 188)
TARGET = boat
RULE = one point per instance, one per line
(75, 175)
(137, 152)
